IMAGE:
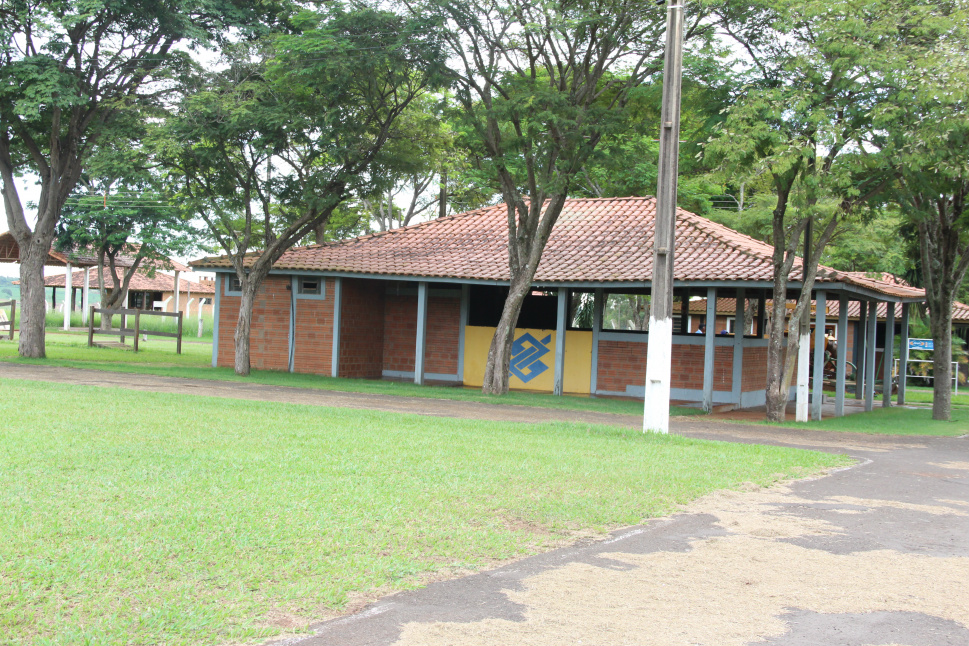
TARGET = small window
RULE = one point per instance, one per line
(311, 286)
(235, 285)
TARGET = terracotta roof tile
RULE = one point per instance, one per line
(140, 282)
(594, 240)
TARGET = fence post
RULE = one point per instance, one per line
(178, 342)
(90, 328)
(137, 327)
(13, 316)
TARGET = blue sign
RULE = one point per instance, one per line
(921, 344)
(526, 353)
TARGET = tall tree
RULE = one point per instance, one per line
(818, 69)
(265, 150)
(70, 68)
(538, 85)
(426, 149)
(927, 141)
(130, 228)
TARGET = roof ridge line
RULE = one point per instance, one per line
(699, 221)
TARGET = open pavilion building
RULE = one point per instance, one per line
(147, 291)
(422, 303)
(10, 253)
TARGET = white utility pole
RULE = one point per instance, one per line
(659, 353)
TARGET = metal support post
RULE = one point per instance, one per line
(888, 360)
(709, 349)
(903, 351)
(842, 361)
(421, 333)
(871, 337)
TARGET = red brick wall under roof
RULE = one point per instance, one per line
(400, 332)
(755, 369)
(268, 332)
(623, 363)
(362, 328)
(443, 333)
(313, 338)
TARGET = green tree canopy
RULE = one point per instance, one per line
(266, 149)
(70, 68)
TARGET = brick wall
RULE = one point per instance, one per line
(755, 369)
(313, 338)
(688, 367)
(228, 316)
(362, 328)
(269, 330)
(851, 341)
(443, 334)
(400, 332)
(623, 364)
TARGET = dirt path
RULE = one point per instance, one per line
(290, 395)
(874, 555)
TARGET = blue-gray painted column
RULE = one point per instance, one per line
(293, 290)
(888, 355)
(820, 318)
(337, 322)
(842, 359)
(465, 306)
(861, 346)
(709, 349)
(598, 302)
(738, 346)
(421, 333)
(903, 358)
(215, 320)
(871, 341)
(560, 340)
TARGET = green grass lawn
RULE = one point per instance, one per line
(891, 421)
(70, 350)
(146, 518)
(921, 395)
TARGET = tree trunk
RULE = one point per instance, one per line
(33, 312)
(942, 358)
(778, 388)
(499, 354)
(442, 197)
(243, 326)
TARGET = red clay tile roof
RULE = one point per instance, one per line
(595, 240)
(140, 282)
(10, 252)
(960, 311)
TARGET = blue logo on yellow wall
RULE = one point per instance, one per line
(526, 353)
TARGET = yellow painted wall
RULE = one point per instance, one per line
(534, 360)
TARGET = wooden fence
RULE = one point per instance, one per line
(136, 331)
(13, 315)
